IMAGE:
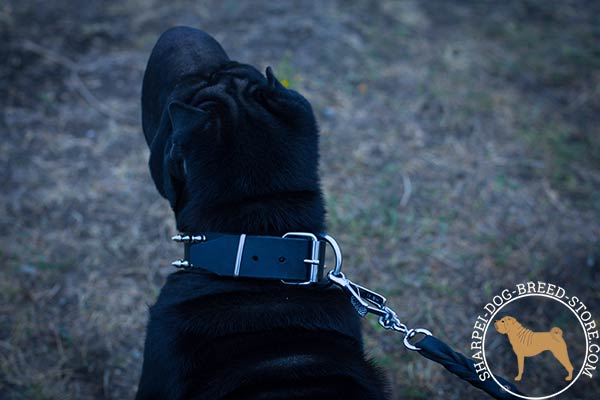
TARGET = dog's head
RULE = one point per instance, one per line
(505, 324)
(231, 149)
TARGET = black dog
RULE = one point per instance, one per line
(234, 151)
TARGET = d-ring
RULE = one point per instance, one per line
(336, 251)
(410, 334)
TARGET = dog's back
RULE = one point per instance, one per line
(234, 151)
(210, 339)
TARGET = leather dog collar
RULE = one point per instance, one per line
(295, 258)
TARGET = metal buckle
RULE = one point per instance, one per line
(314, 260)
(314, 257)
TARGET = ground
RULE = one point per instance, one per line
(460, 155)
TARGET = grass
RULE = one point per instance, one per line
(549, 54)
(286, 72)
(489, 113)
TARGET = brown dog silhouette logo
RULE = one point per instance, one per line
(526, 343)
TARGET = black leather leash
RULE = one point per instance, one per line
(462, 366)
(298, 258)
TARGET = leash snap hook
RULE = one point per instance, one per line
(367, 301)
(364, 300)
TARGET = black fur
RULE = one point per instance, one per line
(235, 151)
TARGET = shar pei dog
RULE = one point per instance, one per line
(526, 343)
(234, 151)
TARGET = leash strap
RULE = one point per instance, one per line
(295, 258)
(434, 349)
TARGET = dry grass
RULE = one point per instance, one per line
(489, 114)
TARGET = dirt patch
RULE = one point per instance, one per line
(460, 155)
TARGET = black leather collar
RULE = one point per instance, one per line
(296, 258)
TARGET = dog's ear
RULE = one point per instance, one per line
(273, 81)
(289, 105)
(185, 122)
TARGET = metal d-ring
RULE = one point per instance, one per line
(336, 251)
(410, 334)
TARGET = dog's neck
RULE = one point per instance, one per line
(302, 212)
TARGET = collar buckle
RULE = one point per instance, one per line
(314, 261)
